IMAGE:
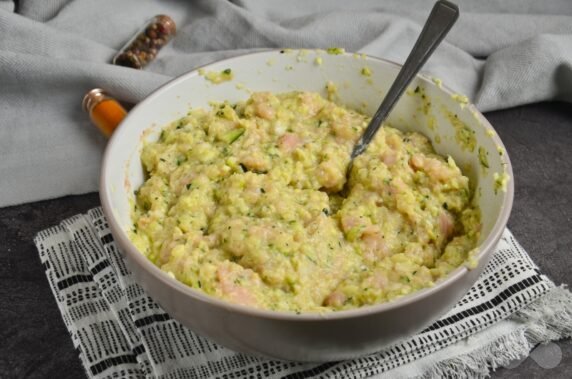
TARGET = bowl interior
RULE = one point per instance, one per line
(454, 127)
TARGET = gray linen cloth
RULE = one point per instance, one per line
(500, 54)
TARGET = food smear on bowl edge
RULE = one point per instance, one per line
(216, 77)
(247, 202)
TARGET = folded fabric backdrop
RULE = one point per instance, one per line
(120, 332)
(52, 52)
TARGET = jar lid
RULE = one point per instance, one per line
(168, 23)
(92, 98)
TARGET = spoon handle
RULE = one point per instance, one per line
(440, 21)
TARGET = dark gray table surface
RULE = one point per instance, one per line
(33, 339)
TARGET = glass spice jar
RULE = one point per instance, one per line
(104, 111)
(143, 47)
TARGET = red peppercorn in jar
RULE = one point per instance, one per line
(144, 46)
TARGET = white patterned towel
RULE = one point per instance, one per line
(120, 332)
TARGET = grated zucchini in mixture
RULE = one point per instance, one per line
(248, 202)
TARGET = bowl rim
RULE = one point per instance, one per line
(124, 243)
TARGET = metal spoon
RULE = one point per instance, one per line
(440, 21)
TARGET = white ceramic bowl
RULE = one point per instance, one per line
(308, 337)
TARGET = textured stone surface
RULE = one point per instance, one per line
(34, 340)
(35, 343)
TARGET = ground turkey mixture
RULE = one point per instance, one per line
(248, 202)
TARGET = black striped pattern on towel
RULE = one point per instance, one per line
(120, 332)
